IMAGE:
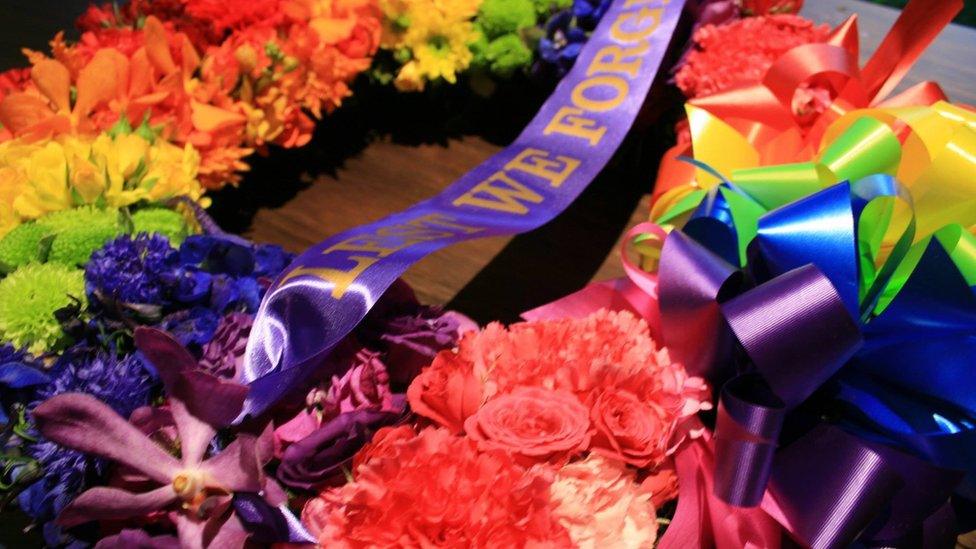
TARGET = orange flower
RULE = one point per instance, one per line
(150, 83)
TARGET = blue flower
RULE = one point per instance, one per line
(20, 375)
(193, 328)
(188, 284)
(270, 260)
(216, 254)
(122, 383)
(562, 42)
(588, 13)
(131, 270)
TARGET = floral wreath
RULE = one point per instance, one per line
(125, 310)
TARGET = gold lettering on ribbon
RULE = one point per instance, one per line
(385, 241)
(500, 193)
(632, 27)
(615, 59)
(538, 163)
(641, 29)
(570, 121)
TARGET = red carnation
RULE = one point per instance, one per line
(740, 52)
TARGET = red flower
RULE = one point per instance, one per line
(770, 7)
(225, 15)
(438, 489)
(606, 358)
(536, 424)
(448, 392)
(740, 52)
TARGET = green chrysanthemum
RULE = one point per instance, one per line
(22, 245)
(501, 17)
(79, 232)
(28, 299)
(507, 54)
(164, 221)
(545, 7)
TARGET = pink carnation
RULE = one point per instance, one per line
(601, 506)
(636, 395)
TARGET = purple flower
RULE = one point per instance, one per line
(323, 457)
(195, 487)
(224, 355)
(188, 284)
(130, 270)
(217, 254)
(270, 260)
(365, 386)
(411, 342)
(20, 376)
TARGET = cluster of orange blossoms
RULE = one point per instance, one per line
(226, 77)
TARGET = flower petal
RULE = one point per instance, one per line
(166, 354)
(195, 434)
(86, 424)
(138, 539)
(210, 398)
(102, 503)
(236, 468)
(54, 81)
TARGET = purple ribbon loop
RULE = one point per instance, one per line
(830, 487)
(796, 330)
(750, 418)
(691, 279)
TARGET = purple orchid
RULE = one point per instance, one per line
(195, 489)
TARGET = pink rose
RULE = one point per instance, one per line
(629, 430)
(533, 423)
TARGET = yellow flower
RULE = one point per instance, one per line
(435, 34)
(47, 175)
(40, 177)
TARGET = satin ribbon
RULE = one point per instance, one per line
(329, 288)
(935, 158)
(756, 125)
(799, 320)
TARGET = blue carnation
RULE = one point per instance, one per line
(123, 384)
(131, 269)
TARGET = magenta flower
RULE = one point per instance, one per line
(194, 489)
(365, 386)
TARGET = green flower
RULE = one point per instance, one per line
(507, 54)
(22, 245)
(79, 232)
(546, 7)
(164, 221)
(501, 17)
(28, 299)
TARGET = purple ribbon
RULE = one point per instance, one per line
(324, 294)
(794, 332)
